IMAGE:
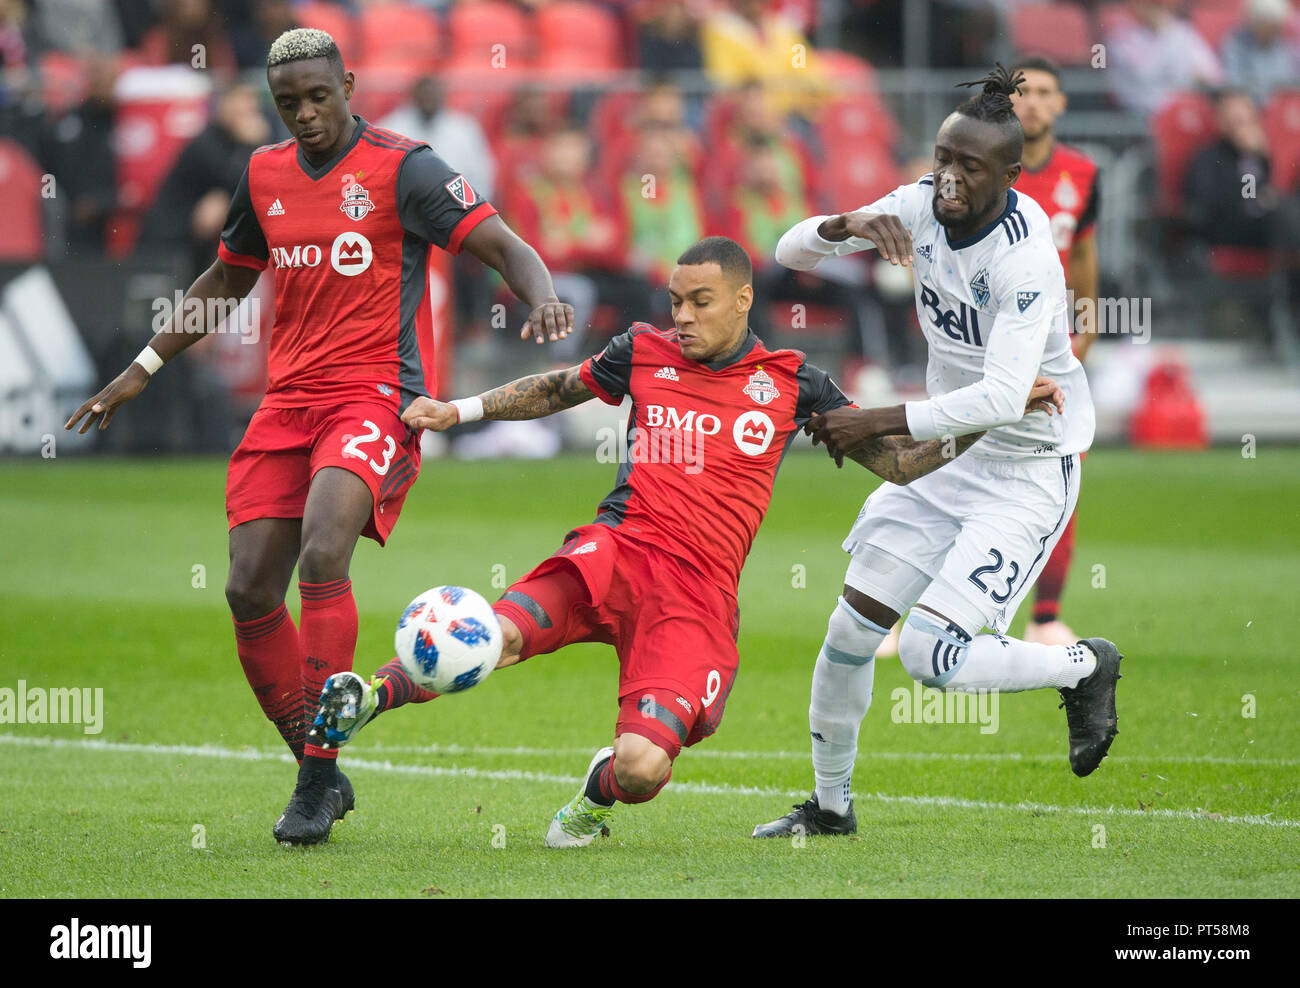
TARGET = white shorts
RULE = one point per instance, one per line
(967, 540)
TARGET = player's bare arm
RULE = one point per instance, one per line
(221, 281)
(500, 248)
(527, 398)
(1083, 282)
(900, 460)
(847, 429)
(885, 230)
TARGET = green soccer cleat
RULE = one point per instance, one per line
(581, 821)
(347, 703)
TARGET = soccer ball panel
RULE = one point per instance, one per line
(448, 639)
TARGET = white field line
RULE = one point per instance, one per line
(691, 788)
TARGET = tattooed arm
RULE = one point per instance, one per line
(527, 398)
(900, 459)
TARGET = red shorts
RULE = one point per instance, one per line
(271, 469)
(674, 629)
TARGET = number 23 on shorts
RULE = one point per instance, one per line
(352, 447)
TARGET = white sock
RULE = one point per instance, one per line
(989, 661)
(841, 695)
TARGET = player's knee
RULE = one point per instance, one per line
(640, 766)
(929, 650)
(323, 559)
(250, 599)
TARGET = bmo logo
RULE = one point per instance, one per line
(667, 417)
(753, 433)
(351, 254)
(296, 256)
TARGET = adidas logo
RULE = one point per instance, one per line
(668, 374)
(276, 209)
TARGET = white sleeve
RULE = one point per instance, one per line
(803, 248)
(1014, 353)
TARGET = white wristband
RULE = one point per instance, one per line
(149, 360)
(469, 409)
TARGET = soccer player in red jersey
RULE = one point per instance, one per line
(344, 212)
(1063, 180)
(655, 574)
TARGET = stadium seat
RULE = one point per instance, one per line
(382, 88)
(862, 119)
(1112, 18)
(23, 238)
(393, 34)
(578, 39)
(1282, 125)
(473, 29)
(1059, 31)
(1214, 20)
(1180, 128)
(857, 178)
(333, 19)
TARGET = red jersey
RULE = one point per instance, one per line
(1066, 188)
(704, 442)
(348, 241)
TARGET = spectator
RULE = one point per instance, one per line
(191, 207)
(1258, 57)
(1228, 199)
(13, 45)
(579, 239)
(754, 41)
(75, 150)
(1157, 55)
(769, 197)
(658, 197)
(668, 37)
(183, 25)
(455, 137)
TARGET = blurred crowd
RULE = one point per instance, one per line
(733, 123)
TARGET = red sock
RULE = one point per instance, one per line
(398, 688)
(269, 652)
(1047, 600)
(328, 637)
(611, 791)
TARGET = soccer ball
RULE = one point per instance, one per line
(448, 639)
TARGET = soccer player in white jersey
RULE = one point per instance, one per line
(962, 546)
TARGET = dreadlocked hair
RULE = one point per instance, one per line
(994, 103)
(994, 106)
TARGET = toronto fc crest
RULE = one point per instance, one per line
(356, 202)
(761, 387)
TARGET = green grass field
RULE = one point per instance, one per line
(177, 795)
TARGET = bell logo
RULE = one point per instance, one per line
(351, 254)
(753, 433)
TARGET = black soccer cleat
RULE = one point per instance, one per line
(1090, 709)
(809, 818)
(314, 806)
(348, 798)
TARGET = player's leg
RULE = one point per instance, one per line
(985, 576)
(262, 556)
(1046, 627)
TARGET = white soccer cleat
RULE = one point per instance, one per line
(346, 705)
(1049, 633)
(888, 649)
(581, 821)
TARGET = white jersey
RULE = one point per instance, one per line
(994, 313)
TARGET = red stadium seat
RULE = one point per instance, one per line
(1112, 18)
(849, 70)
(857, 120)
(1180, 128)
(1060, 31)
(475, 29)
(578, 38)
(1282, 125)
(393, 34)
(382, 88)
(1214, 20)
(859, 176)
(334, 20)
(23, 236)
